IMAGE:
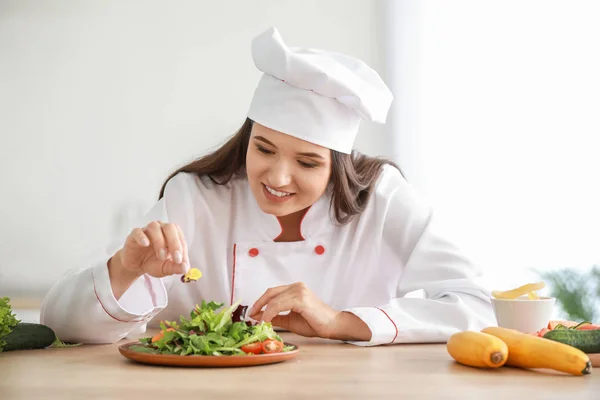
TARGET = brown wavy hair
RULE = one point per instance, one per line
(353, 176)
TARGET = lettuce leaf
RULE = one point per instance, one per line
(209, 332)
(8, 320)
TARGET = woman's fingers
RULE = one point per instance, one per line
(154, 231)
(140, 237)
(171, 268)
(294, 297)
(284, 302)
(266, 297)
(278, 320)
(171, 235)
(186, 258)
(167, 243)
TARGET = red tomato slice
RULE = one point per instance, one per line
(566, 324)
(272, 346)
(588, 327)
(252, 348)
(543, 331)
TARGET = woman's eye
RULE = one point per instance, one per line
(263, 150)
(308, 165)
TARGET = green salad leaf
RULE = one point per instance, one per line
(8, 320)
(208, 332)
(59, 344)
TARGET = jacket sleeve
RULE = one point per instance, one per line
(81, 306)
(451, 299)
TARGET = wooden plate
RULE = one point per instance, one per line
(206, 361)
(595, 359)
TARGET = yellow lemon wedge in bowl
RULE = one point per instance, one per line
(528, 289)
(522, 309)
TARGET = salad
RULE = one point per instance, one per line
(212, 333)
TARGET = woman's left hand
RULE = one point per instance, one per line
(308, 315)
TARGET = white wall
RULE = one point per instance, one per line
(497, 116)
(99, 101)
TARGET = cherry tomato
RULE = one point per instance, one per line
(254, 348)
(272, 346)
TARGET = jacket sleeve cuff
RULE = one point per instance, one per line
(383, 328)
(145, 298)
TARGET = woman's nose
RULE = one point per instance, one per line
(279, 175)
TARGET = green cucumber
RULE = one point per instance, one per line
(586, 341)
(25, 336)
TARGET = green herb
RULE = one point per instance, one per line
(577, 292)
(8, 320)
(207, 332)
(59, 344)
(143, 349)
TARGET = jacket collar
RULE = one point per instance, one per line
(266, 227)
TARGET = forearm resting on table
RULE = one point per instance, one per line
(120, 277)
(351, 328)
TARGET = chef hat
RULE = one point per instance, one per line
(315, 95)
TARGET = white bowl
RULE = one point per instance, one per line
(522, 314)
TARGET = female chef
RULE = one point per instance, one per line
(318, 239)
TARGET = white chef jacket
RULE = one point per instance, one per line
(365, 267)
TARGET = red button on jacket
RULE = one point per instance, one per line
(253, 252)
(319, 250)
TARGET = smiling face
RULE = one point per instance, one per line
(286, 174)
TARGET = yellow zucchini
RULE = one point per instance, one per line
(528, 351)
(477, 349)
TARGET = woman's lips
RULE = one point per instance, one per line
(274, 198)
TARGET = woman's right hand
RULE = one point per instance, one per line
(159, 250)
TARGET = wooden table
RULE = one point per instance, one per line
(322, 370)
